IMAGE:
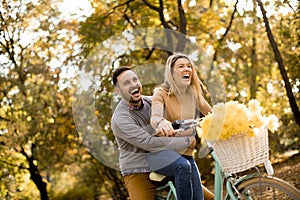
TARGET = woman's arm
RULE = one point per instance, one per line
(158, 121)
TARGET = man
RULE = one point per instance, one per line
(131, 127)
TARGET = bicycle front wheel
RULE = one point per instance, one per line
(267, 188)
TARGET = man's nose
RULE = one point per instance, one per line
(133, 84)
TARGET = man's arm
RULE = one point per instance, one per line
(124, 127)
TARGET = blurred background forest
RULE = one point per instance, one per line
(45, 44)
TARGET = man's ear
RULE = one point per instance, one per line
(117, 90)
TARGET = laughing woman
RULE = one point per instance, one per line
(178, 98)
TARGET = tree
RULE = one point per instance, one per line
(36, 122)
(279, 60)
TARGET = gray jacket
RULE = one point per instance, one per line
(133, 134)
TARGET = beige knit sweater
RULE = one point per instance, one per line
(169, 106)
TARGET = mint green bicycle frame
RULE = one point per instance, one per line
(220, 177)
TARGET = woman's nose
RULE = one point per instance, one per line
(187, 68)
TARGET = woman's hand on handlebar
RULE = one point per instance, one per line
(166, 128)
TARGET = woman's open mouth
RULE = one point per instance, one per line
(186, 77)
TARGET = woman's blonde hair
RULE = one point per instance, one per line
(169, 82)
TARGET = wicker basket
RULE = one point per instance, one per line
(242, 152)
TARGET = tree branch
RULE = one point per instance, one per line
(151, 6)
(182, 18)
(226, 31)
(13, 165)
(160, 11)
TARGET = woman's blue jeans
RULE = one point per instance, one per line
(182, 168)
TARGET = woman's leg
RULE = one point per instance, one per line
(169, 163)
(196, 180)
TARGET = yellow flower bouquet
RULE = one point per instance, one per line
(232, 118)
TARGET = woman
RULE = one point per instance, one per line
(178, 98)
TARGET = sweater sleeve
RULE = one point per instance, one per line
(157, 108)
(126, 129)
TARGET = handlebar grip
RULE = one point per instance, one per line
(176, 124)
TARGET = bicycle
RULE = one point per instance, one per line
(239, 183)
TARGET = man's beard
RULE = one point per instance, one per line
(135, 101)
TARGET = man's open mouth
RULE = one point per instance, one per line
(135, 91)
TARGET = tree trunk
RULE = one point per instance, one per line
(253, 70)
(36, 177)
(279, 60)
(182, 28)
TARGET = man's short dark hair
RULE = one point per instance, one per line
(118, 71)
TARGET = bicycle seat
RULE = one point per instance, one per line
(156, 177)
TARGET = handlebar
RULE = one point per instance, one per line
(182, 125)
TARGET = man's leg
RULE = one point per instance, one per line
(208, 195)
(170, 163)
(140, 187)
